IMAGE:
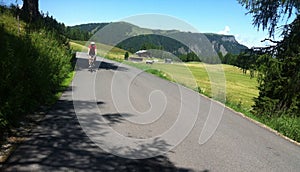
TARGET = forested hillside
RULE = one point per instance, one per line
(91, 28)
(151, 41)
(141, 38)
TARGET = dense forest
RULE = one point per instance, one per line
(91, 28)
(151, 41)
(31, 15)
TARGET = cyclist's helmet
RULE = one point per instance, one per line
(92, 43)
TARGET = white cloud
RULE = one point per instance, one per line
(225, 31)
(252, 41)
(243, 40)
(249, 40)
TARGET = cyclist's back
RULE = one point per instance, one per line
(92, 51)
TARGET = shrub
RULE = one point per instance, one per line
(32, 67)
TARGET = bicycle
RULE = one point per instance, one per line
(91, 62)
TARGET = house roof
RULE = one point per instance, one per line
(141, 51)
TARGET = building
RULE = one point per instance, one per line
(136, 59)
(143, 53)
(168, 60)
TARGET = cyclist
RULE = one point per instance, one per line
(92, 51)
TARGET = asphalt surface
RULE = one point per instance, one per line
(115, 116)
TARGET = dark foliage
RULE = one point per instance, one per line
(30, 10)
(145, 42)
(91, 28)
(126, 55)
(267, 14)
(34, 62)
(279, 77)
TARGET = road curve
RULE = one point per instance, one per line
(153, 118)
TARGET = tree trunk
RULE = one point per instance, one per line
(30, 9)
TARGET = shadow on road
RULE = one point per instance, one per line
(60, 144)
(115, 118)
(82, 64)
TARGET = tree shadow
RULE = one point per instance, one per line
(116, 117)
(100, 103)
(59, 143)
(110, 66)
(82, 64)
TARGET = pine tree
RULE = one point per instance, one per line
(30, 10)
(279, 72)
(279, 77)
(126, 55)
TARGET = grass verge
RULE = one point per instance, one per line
(159, 73)
(64, 85)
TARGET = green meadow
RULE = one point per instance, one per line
(240, 88)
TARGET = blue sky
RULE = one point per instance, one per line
(221, 16)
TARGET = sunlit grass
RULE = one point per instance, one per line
(102, 49)
(12, 25)
(63, 86)
(240, 88)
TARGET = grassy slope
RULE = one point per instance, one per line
(34, 70)
(240, 89)
(103, 50)
(31, 57)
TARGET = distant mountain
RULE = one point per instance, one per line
(133, 38)
(90, 27)
(225, 43)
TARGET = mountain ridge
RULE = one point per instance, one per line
(123, 31)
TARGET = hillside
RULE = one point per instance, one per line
(35, 61)
(118, 33)
(90, 27)
(225, 43)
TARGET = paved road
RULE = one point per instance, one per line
(123, 96)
